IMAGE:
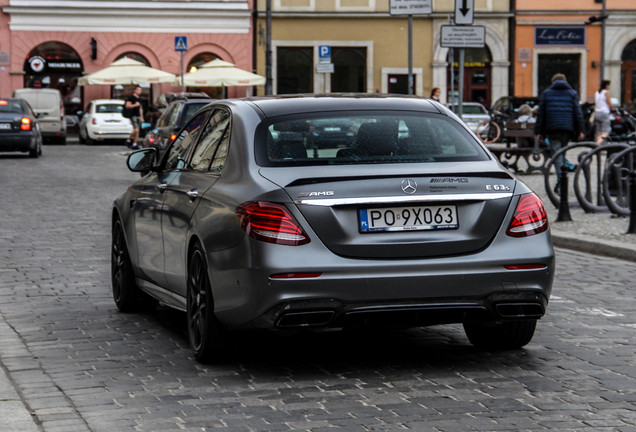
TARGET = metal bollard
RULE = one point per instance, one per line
(564, 206)
(632, 203)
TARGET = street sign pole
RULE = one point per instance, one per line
(410, 8)
(411, 54)
(182, 73)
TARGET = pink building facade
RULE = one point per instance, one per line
(47, 43)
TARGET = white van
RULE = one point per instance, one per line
(47, 104)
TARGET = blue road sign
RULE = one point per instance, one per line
(324, 51)
(180, 43)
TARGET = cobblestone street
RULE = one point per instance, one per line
(77, 364)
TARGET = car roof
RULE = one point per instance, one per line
(293, 104)
(106, 101)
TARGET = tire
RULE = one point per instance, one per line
(207, 337)
(34, 152)
(500, 335)
(127, 295)
(82, 140)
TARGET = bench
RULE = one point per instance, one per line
(519, 144)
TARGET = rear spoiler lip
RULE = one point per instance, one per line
(330, 202)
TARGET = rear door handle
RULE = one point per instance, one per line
(162, 187)
(193, 194)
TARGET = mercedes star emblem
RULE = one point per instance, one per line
(409, 186)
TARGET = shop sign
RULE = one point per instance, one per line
(570, 36)
(40, 65)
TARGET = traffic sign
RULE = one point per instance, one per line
(463, 36)
(411, 7)
(324, 54)
(324, 68)
(464, 11)
(181, 43)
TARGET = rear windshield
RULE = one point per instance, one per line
(11, 106)
(109, 108)
(366, 138)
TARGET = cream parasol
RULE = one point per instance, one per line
(219, 73)
(126, 71)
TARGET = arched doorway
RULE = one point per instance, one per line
(194, 64)
(56, 65)
(628, 75)
(477, 75)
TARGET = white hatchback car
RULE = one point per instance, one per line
(103, 121)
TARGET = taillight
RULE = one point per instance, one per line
(172, 137)
(271, 223)
(94, 121)
(25, 124)
(530, 217)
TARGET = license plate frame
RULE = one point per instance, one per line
(408, 218)
(5, 126)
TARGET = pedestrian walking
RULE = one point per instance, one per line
(559, 118)
(136, 113)
(602, 109)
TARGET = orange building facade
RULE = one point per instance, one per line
(557, 37)
(52, 44)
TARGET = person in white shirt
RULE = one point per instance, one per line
(602, 109)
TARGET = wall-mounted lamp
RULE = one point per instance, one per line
(93, 49)
(594, 64)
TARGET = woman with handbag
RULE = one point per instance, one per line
(602, 109)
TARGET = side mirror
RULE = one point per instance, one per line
(143, 161)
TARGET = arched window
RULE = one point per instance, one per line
(350, 65)
(123, 91)
(56, 65)
(194, 64)
(294, 70)
(628, 75)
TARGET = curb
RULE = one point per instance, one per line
(595, 246)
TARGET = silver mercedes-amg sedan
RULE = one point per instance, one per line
(247, 223)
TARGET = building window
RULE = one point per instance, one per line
(551, 64)
(350, 66)
(294, 70)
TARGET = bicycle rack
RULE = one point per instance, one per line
(621, 165)
(552, 195)
(586, 163)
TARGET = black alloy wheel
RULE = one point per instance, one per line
(207, 337)
(128, 297)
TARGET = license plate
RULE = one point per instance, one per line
(413, 218)
(5, 125)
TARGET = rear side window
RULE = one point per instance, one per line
(366, 138)
(190, 109)
(11, 106)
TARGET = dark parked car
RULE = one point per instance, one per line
(171, 121)
(19, 128)
(413, 223)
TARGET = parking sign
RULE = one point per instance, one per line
(324, 54)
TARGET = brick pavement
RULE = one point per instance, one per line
(76, 364)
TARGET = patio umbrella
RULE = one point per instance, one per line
(218, 73)
(126, 71)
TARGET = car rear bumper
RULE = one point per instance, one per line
(21, 143)
(353, 292)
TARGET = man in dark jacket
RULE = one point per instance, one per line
(559, 118)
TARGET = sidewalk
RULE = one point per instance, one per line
(598, 233)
